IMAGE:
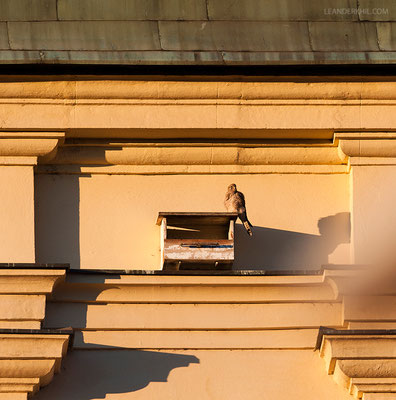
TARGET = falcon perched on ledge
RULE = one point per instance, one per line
(235, 202)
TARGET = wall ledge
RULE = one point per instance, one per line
(28, 146)
(361, 146)
(361, 361)
(23, 293)
(29, 359)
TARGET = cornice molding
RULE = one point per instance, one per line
(129, 157)
(104, 89)
(29, 361)
(366, 148)
(340, 280)
(30, 281)
(364, 364)
(137, 107)
(203, 154)
(23, 295)
(28, 146)
(191, 169)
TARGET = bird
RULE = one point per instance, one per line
(235, 202)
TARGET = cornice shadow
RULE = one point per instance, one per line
(92, 374)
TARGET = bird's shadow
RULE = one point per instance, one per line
(276, 249)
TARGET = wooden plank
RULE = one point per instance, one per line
(163, 237)
(203, 242)
(198, 221)
(221, 217)
(193, 231)
(198, 249)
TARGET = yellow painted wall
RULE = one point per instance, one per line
(219, 337)
(373, 210)
(108, 221)
(17, 214)
(198, 337)
(196, 375)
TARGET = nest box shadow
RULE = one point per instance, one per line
(276, 249)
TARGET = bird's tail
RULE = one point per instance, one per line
(246, 223)
(247, 227)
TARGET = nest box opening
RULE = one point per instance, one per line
(196, 240)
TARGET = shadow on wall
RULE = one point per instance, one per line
(97, 370)
(57, 219)
(275, 249)
(56, 317)
(92, 374)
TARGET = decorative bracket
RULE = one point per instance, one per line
(29, 359)
(367, 148)
(361, 361)
(24, 148)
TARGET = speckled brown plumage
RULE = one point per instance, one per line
(235, 202)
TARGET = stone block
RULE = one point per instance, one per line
(131, 10)
(27, 10)
(233, 36)
(387, 35)
(22, 307)
(343, 36)
(91, 35)
(139, 57)
(4, 36)
(281, 10)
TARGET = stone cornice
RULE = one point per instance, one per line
(144, 107)
(340, 280)
(198, 154)
(25, 148)
(29, 361)
(178, 88)
(23, 295)
(304, 294)
(191, 169)
(366, 148)
(30, 281)
(362, 362)
(355, 148)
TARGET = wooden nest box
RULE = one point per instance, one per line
(196, 240)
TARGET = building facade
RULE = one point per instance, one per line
(111, 113)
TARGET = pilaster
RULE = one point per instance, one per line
(372, 160)
(19, 153)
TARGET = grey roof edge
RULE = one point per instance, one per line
(187, 58)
